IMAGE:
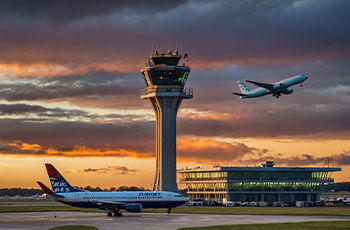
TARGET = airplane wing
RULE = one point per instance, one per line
(261, 84)
(240, 94)
(48, 191)
(111, 204)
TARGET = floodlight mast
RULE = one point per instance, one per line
(165, 80)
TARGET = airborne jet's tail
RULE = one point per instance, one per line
(58, 183)
(243, 87)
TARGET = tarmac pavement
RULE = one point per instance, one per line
(46, 220)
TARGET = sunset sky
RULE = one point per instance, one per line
(70, 86)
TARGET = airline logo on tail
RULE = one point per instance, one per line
(58, 183)
(243, 87)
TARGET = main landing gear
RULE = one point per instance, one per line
(169, 210)
(116, 213)
(276, 95)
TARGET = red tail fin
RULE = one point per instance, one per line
(53, 174)
(44, 188)
(48, 191)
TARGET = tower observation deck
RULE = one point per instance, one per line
(165, 80)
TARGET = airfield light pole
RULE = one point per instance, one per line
(165, 80)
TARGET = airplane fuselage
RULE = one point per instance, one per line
(63, 192)
(284, 84)
(147, 199)
(276, 89)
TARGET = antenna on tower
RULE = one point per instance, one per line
(152, 50)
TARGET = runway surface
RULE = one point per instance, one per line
(46, 220)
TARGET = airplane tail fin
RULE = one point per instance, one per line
(243, 87)
(58, 183)
(48, 191)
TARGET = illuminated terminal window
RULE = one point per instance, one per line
(266, 183)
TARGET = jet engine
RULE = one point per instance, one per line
(287, 91)
(134, 208)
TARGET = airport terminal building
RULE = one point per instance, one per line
(266, 183)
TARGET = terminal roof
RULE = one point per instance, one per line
(271, 169)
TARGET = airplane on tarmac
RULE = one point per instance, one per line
(275, 89)
(345, 200)
(113, 201)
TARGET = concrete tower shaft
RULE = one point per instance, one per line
(165, 91)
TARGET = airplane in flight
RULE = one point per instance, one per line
(112, 201)
(275, 89)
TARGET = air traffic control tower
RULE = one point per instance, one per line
(165, 80)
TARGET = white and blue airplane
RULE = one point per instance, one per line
(112, 201)
(275, 89)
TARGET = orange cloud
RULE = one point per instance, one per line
(82, 151)
(34, 150)
(25, 146)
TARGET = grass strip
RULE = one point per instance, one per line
(25, 201)
(316, 225)
(74, 227)
(321, 211)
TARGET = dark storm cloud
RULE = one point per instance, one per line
(65, 149)
(209, 150)
(272, 121)
(281, 31)
(213, 32)
(64, 11)
(96, 42)
(65, 87)
(20, 109)
(104, 91)
(47, 114)
(23, 109)
(102, 137)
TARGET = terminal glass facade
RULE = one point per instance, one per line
(283, 175)
(257, 183)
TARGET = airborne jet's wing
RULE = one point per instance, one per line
(261, 84)
(240, 94)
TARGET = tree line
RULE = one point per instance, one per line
(32, 191)
(336, 187)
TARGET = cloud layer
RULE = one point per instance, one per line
(70, 80)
